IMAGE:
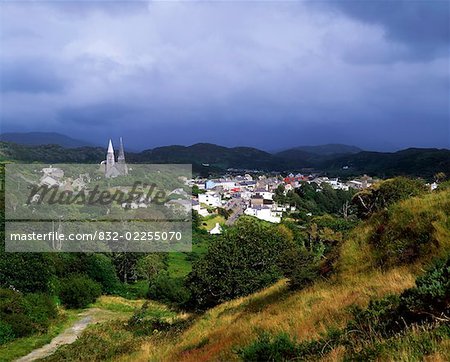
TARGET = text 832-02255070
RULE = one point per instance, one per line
(140, 235)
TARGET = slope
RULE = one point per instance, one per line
(309, 313)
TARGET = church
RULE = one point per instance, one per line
(110, 167)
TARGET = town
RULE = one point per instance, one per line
(255, 195)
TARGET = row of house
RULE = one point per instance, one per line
(294, 181)
(240, 194)
(256, 194)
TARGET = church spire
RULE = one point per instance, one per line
(121, 158)
(122, 166)
(110, 157)
(110, 147)
(113, 168)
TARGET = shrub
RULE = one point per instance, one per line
(143, 324)
(6, 332)
(386, 193)
(101, 269)
(167, 289)
(13, 313)
(404, 234)
(41, 309)
(415, 321)
(79, 291)
(22, 315)
(300, 267)
(381, 317)
(432, 292)
(429, 300)
(26, 272)
(104, 342)
(267, 348)
(282, 348)
(245, 259)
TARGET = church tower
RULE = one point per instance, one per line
(110, 157)
(121, 159)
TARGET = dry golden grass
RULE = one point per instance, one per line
(303, 315)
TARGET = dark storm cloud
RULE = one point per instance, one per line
(423, 25)
(96, 115)
(263, 74)
(29, 76)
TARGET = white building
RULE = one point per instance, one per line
(211, 199)
(201, 211)
(264, 213)
(266, 195)
(216, 230)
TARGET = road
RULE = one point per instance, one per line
(238, 207)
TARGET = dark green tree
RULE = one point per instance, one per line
(245, 259)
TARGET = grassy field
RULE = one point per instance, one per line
(137, 290)
(180, 264)
(209, 222)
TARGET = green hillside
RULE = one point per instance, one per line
(387, 296)
(213, 159)
(422, 162)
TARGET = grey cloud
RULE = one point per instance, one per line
(30, 76)
(423, 25)
(95, 115)
(263, 74)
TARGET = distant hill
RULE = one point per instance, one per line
(330, 149)
(208, 158)
(423, 162)
(204, 157)
(43, 138)
(50, 153)
(219, 157)
(322, 150)
(316, 154)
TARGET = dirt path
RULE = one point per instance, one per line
(67, 337)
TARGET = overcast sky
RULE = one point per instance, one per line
(265, 74)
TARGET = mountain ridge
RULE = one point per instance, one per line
(326, 149)
(43, 138)
(210, 158)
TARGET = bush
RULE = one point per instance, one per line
(143, 324)
(380, 196)
(167, 289)
(282, 348)
(415, 321)
(6, 332)
(22, 315)
(403, 234)
(26, 272)
(79, 291)
(246, 258)
(41, 309)
(267, 348)
(101, 269)
(105, 342)
(428, 301)
(300, 267)
(432, 291)
(381, 317)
